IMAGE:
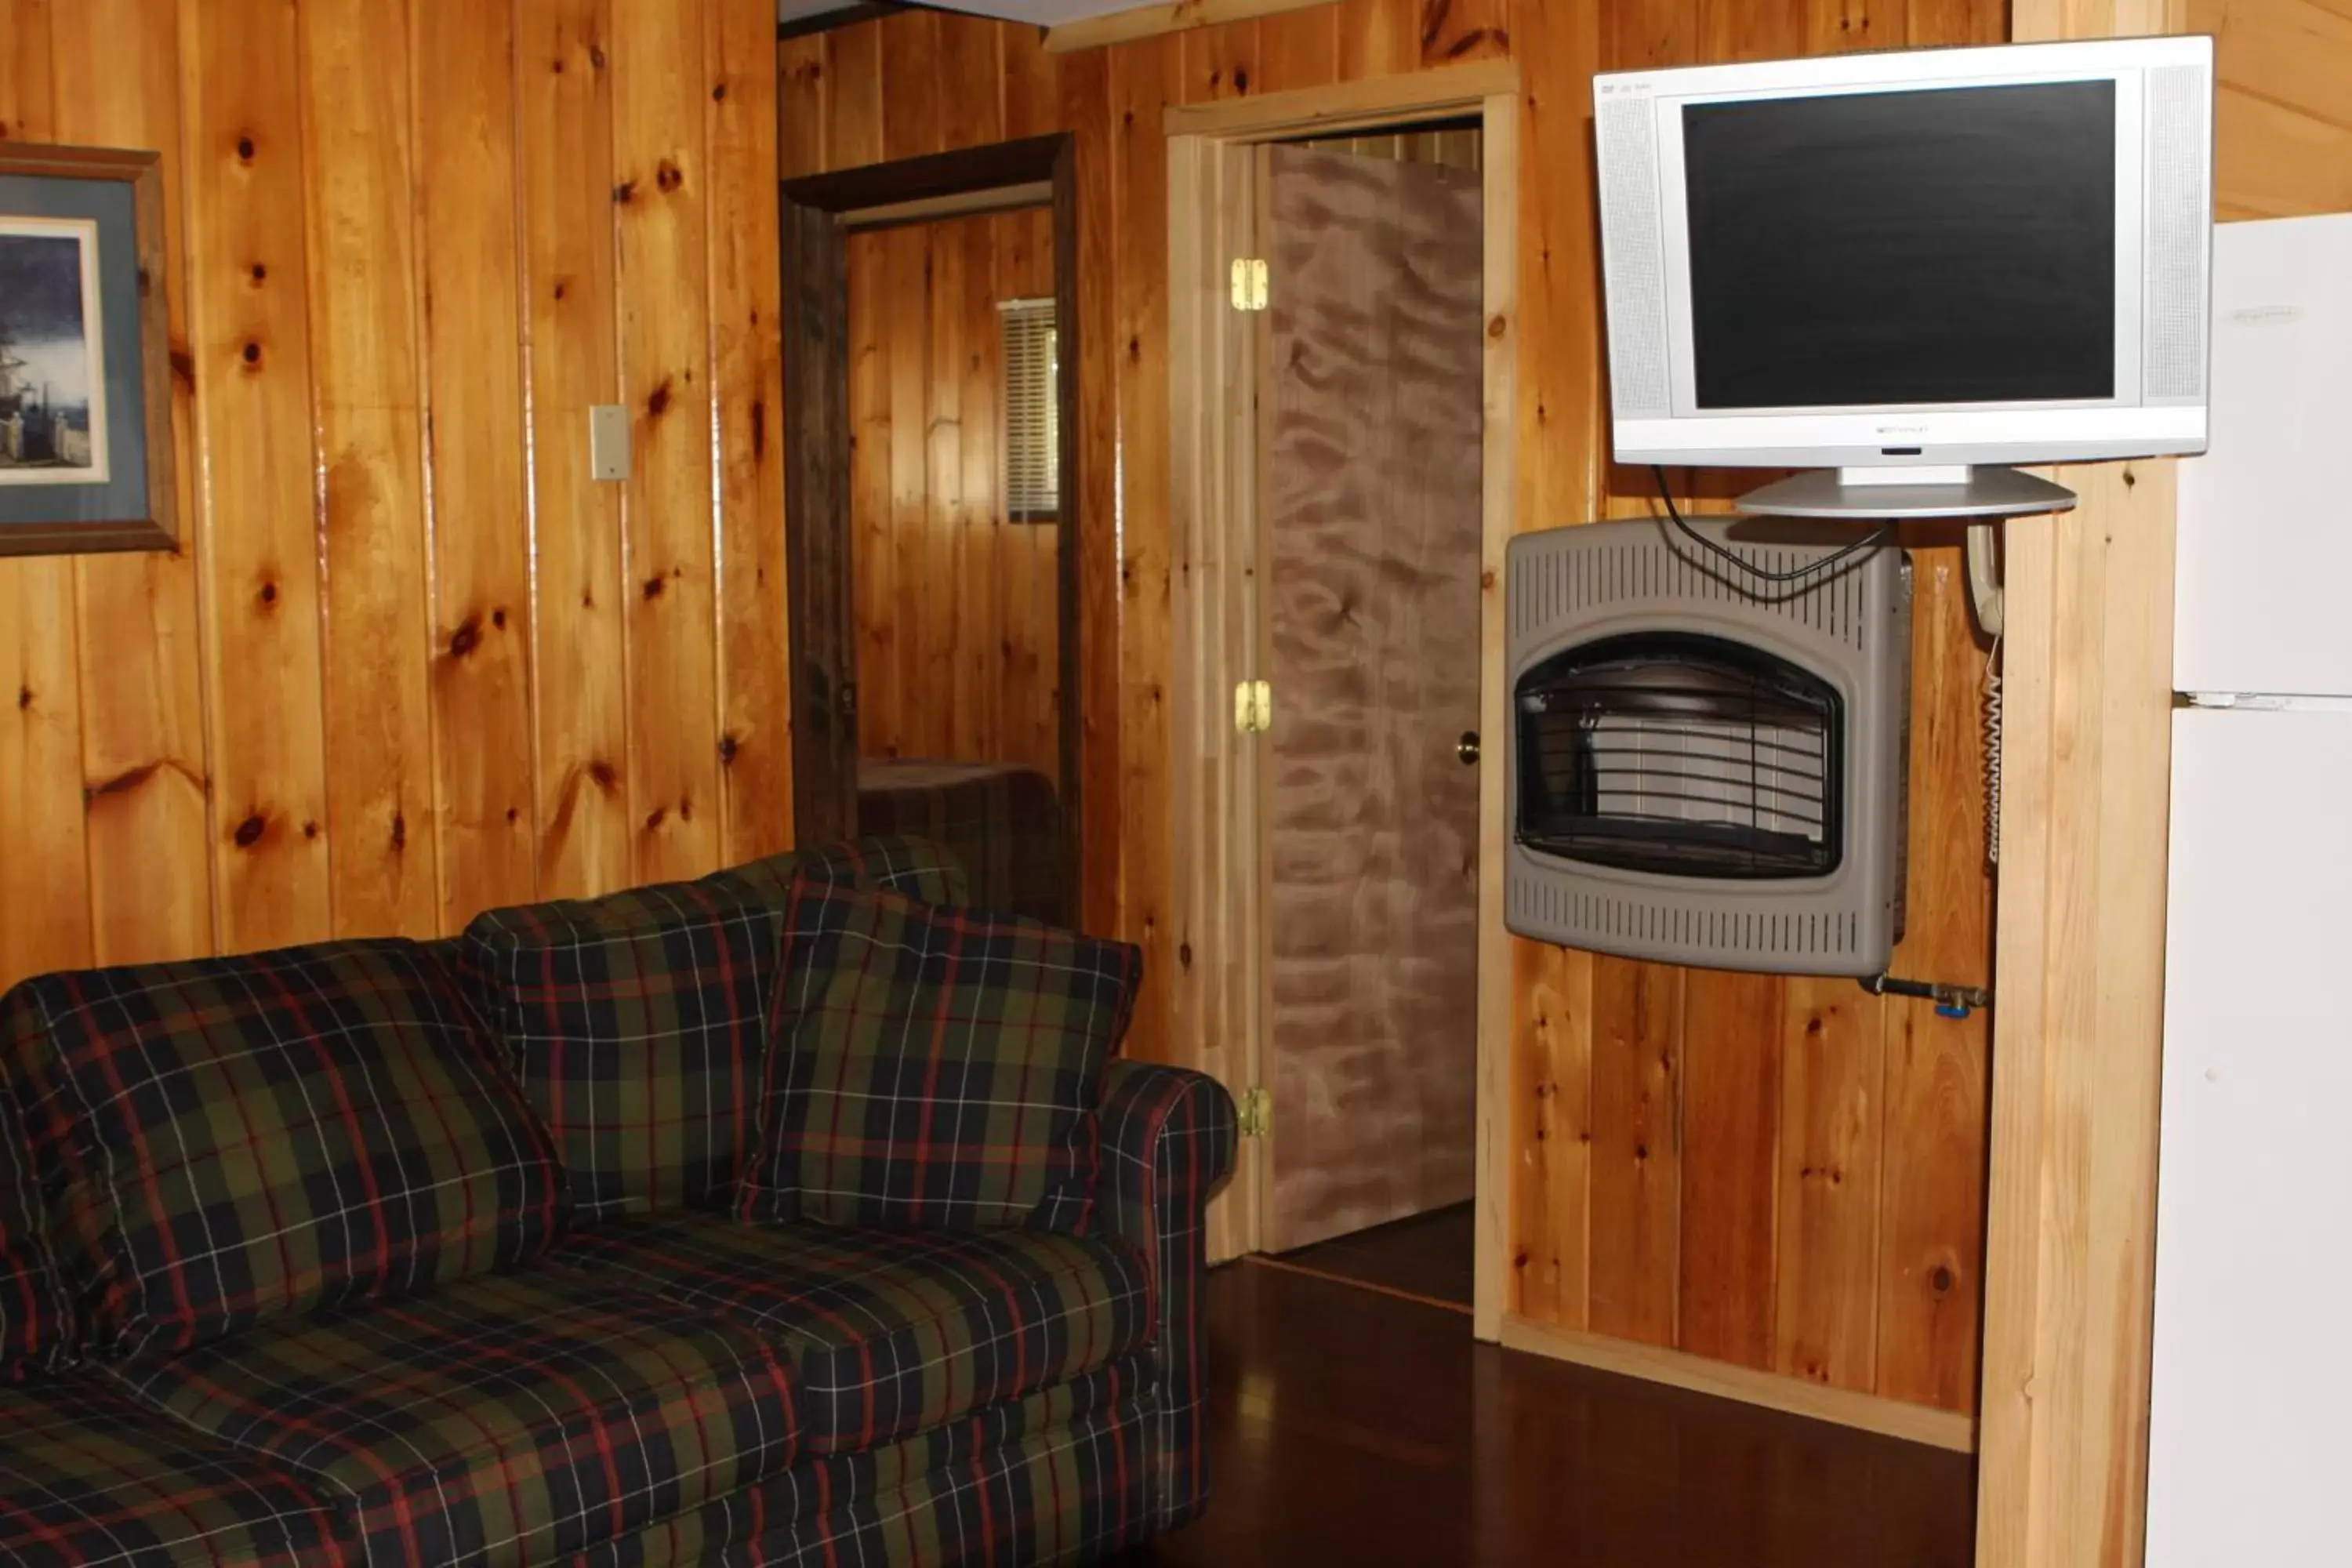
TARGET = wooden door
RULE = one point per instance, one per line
(1371, 551)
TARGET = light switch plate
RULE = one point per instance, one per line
(608, 441)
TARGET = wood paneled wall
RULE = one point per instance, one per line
(958, 608)
(1783, 1174)
(1789, 1174)
(409, 661)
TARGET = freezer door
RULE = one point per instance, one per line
(2249, 1461)
(2265, 517)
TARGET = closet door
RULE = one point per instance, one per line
(1372, 515)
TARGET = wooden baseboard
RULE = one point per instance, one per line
(1680, 1369)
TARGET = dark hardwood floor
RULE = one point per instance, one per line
(1353, 1427)
(1430, 1256)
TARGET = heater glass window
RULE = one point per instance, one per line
(1680, 754)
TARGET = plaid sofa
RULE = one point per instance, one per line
(395, 1253)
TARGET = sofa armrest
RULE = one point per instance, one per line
(1168, 1137)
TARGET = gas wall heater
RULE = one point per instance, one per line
(1705, 767)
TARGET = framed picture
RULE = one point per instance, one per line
(85, 356)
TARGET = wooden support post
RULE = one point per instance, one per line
(2079, 970)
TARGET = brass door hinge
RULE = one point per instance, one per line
(1253, 707)
(1255, 1107)
(1250, 278)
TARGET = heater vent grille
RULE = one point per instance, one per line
(1565, 582)
(1821, 940)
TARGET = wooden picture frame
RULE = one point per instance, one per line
(109, 203)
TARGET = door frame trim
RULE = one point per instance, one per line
(1219, 1003)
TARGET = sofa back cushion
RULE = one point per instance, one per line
(225, 1141)
(635, 1022)
(36, 1321)
(935, 1068)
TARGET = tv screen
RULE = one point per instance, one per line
(1947, 246)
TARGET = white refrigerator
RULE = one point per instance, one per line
(2250, 1436)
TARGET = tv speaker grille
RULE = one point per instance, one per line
(1637, 295)
(2172, 347)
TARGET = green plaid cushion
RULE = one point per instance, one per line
(88, 1476)
(1054, 1478)
(222, 1141)
(890, 1331)
(635, 1022)
(933, 1066)
(502, 1421)
(36, 1319)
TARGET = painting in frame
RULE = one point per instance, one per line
(85, 361)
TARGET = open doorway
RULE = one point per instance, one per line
(955, 515)
(932, 512)
(1343, 527)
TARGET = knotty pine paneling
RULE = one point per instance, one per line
(1145, 78)
(1732, 1080)
(462, 71)
(1378, 37)
(1298, 49)
(143, 742)
(1632, 1218)
(389, 677)
(1783, 1174)
(747, 379)
(358, 177)
(1222, 61)
(1558, 446)
(1934, 1105)
(805, 92)
(564, 151)
(1833, 1135)
(1030, 88)
(660, 166)
(970, 101)
(250, 346)
(957, 608)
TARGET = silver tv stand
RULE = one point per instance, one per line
(1898, 493)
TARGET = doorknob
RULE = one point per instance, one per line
(1467, 748)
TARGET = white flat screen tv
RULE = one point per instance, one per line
(1917, 260)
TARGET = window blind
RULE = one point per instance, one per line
(1032, 436)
